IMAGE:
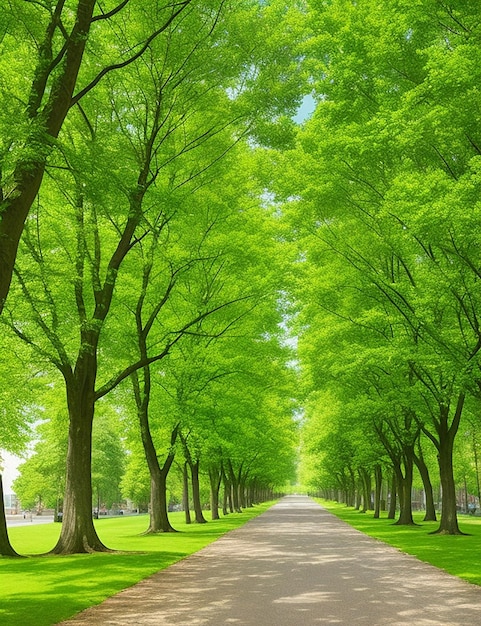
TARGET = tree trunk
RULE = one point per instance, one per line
(227, 501)
(78, 534)
(159, 517)
(194, 471)
(215, 478)
(234, 487)
(393, 499)
(476, 466)
(378, 482)
(366, 489)
(6, 548)
(449, 518)
(242, 478)
(430, 515)
(351, 497)
(358, 497)
(185, 494)
(404, 488)
(248, 497)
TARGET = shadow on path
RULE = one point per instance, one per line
(294, 565)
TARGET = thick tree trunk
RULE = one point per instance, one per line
(78, 534)
(449, 518)
(194, 472)
(6, 548)
(159, 517)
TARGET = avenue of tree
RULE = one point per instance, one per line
(127, 172)
(382, 194)
(165, 226)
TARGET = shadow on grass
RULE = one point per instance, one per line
(58, 587)
(44, 590)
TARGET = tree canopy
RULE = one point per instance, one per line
(197, 282)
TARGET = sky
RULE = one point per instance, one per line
(10, 463)
(306, 109)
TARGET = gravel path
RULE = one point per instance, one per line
(294, 565)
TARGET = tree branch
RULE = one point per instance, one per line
(117, 66)
(115, 381)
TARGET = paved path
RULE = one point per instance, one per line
(295, 565)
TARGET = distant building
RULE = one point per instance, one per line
(11, 504)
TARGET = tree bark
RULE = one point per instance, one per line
(159, 517)
(449, 518)
(78, 534)
(227, 500)
(366, 489)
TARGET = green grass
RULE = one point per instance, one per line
(44, 590)
(456, 554)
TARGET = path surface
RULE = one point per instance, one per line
(295, 565)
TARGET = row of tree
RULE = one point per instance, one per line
(138, 248)
(382, 197)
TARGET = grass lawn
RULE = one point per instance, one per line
(44, 590)
(456, 554)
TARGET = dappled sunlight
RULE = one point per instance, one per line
(295, 564)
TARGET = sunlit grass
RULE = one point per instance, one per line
(456, 554)
(44, 590)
